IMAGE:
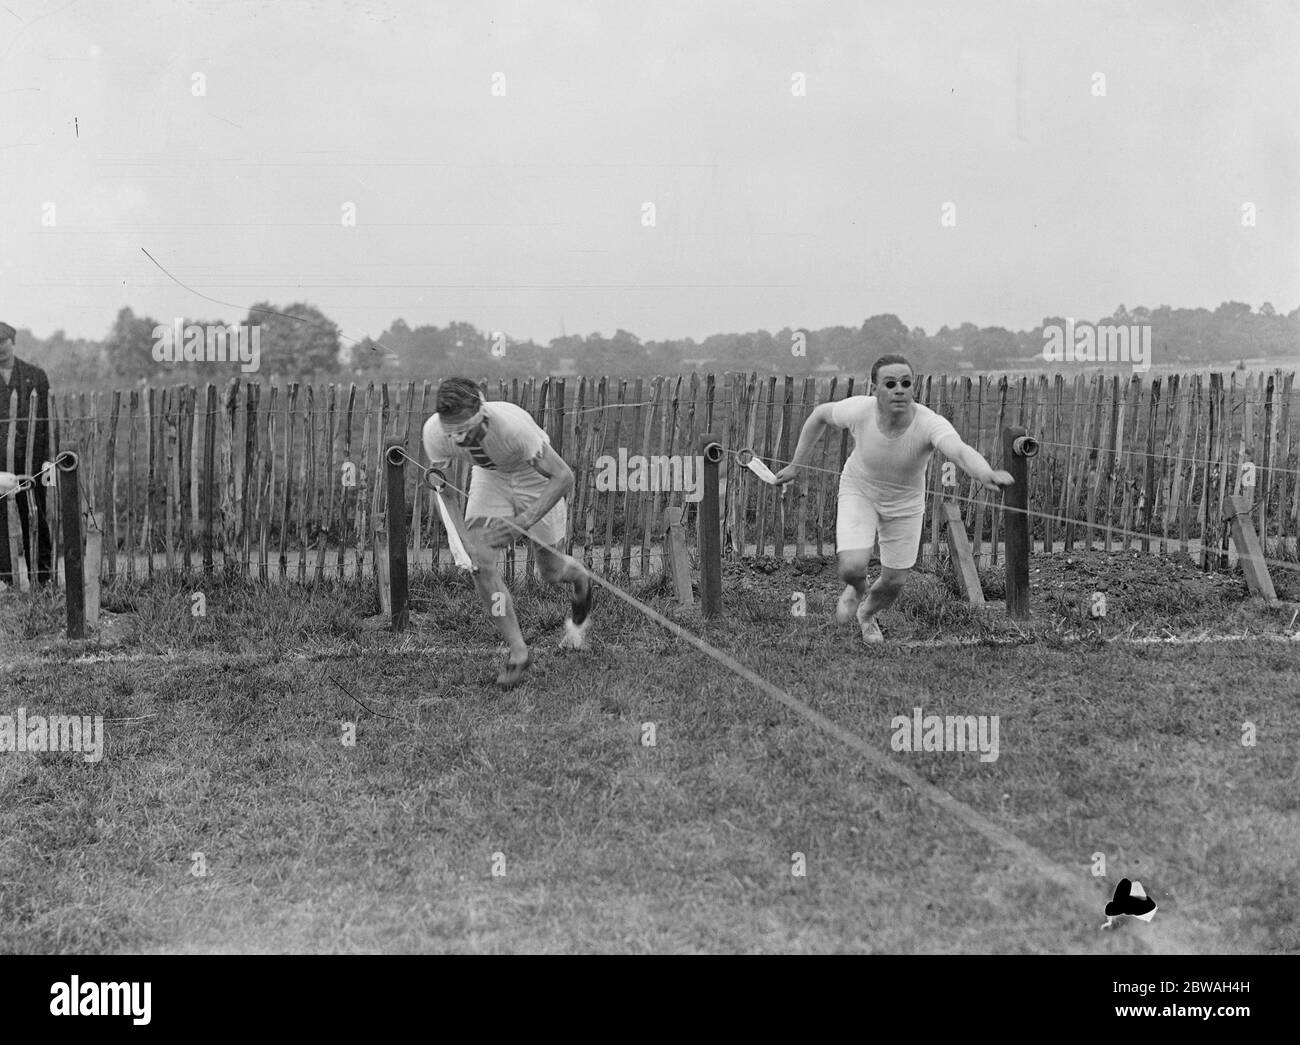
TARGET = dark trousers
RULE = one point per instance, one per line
(40, 569)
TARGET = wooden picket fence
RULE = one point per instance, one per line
(288, 483)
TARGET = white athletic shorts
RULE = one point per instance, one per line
(504, 495)
(858, 525)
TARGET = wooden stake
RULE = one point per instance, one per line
(963, 561)
(1249, 552)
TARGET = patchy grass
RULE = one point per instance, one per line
(225, 739)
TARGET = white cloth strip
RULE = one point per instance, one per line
(751, 460)
(454, 542)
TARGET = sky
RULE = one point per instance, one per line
(809, 163)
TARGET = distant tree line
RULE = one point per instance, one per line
(299, 341)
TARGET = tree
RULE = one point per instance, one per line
(885, 335)
(1232, 311)
(129, 346)
(991, 346)
(627, 352)
(369, 355)
(296, 341)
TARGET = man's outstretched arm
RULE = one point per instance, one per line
(972, 462)
(818, 421)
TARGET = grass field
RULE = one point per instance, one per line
(225, 738)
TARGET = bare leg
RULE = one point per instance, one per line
(559, 568)
(494, 595)
(853, 569)
(883, 593)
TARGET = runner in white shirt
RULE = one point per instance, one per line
(518, 483)
(882, 487)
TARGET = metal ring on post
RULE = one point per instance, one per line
(1025, 446)
(66, 461)
(395, 455)
(748, 459)
(435, 480)
(710, 526)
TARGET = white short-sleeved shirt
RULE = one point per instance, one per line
(508, 441)
(890, 471)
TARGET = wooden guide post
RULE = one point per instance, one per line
(710, 529)
(395, 455)
(74, 578)
(1017, 448)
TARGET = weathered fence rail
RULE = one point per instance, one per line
(289, 482)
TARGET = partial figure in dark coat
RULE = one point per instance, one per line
(22, 377)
